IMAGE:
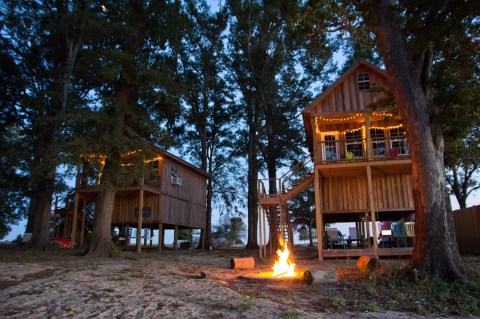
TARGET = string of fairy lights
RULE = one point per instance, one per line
(334, 120)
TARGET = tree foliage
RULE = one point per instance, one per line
(209, 113)
(302, 210)
(230, 229)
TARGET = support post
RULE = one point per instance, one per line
(140, 218)
(160, 236)
(260, 231)
(191, 237)
(318, 213)
(74, 222)
(372, 210)
(369, 137)
(82, 232)
(175, 237)
(265, 233)
(151, 236)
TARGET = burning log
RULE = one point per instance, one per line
(312, 277)
(366, 264)
(245, 263)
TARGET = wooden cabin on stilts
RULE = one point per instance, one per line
(169, 195)
(361, 170)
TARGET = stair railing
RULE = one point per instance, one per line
(296, 174)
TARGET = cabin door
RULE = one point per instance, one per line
(330, 150)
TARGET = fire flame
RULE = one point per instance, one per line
(283, 267)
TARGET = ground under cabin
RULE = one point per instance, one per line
(171, 195)
(361, 168)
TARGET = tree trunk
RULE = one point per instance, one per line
(208, 222)
(101, 237)
(252, 178)
(43, 180)
(41, 224)
(273, 213)
(435, 250)
(31, 213)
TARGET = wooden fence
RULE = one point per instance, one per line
(467, 228)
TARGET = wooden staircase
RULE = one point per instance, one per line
(275, 204)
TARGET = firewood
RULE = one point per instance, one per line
(242, 263)
(367, 264)
(320, 276)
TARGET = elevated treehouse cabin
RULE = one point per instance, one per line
(361, 168)
(171, 195)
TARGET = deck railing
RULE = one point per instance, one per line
(359, 150)
(125, 179)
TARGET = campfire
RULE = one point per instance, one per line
(283, 267)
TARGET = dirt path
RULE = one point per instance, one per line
(166, 285)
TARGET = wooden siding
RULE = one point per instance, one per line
(349, 193)
(346, 98)
(183, 213)
(125, 207)
(344, 193)
(393, 192)
(467, 229)
(183, 204)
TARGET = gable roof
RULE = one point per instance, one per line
(183, 162)
(310, 109)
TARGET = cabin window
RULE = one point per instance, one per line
(363, 81)
(330, 151)
(354, 143)
(379, 147)
(398, 141)
(174, 171)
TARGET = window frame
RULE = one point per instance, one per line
(363, 81)
(355, 141)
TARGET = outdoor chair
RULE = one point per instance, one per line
(355, 235)
(334, 237)
(410, 231)
(398, 232)
(393, 152)
(385, 234)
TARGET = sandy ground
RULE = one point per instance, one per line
(160, 285)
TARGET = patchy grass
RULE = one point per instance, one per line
(406, 290)
(291, 314)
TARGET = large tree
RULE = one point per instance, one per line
(273, 71)
(44, 39)
(209, 111)
(462, 159)
(408, 36)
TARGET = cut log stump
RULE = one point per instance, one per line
(367, 264)
(315, 277)
(245, 263)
